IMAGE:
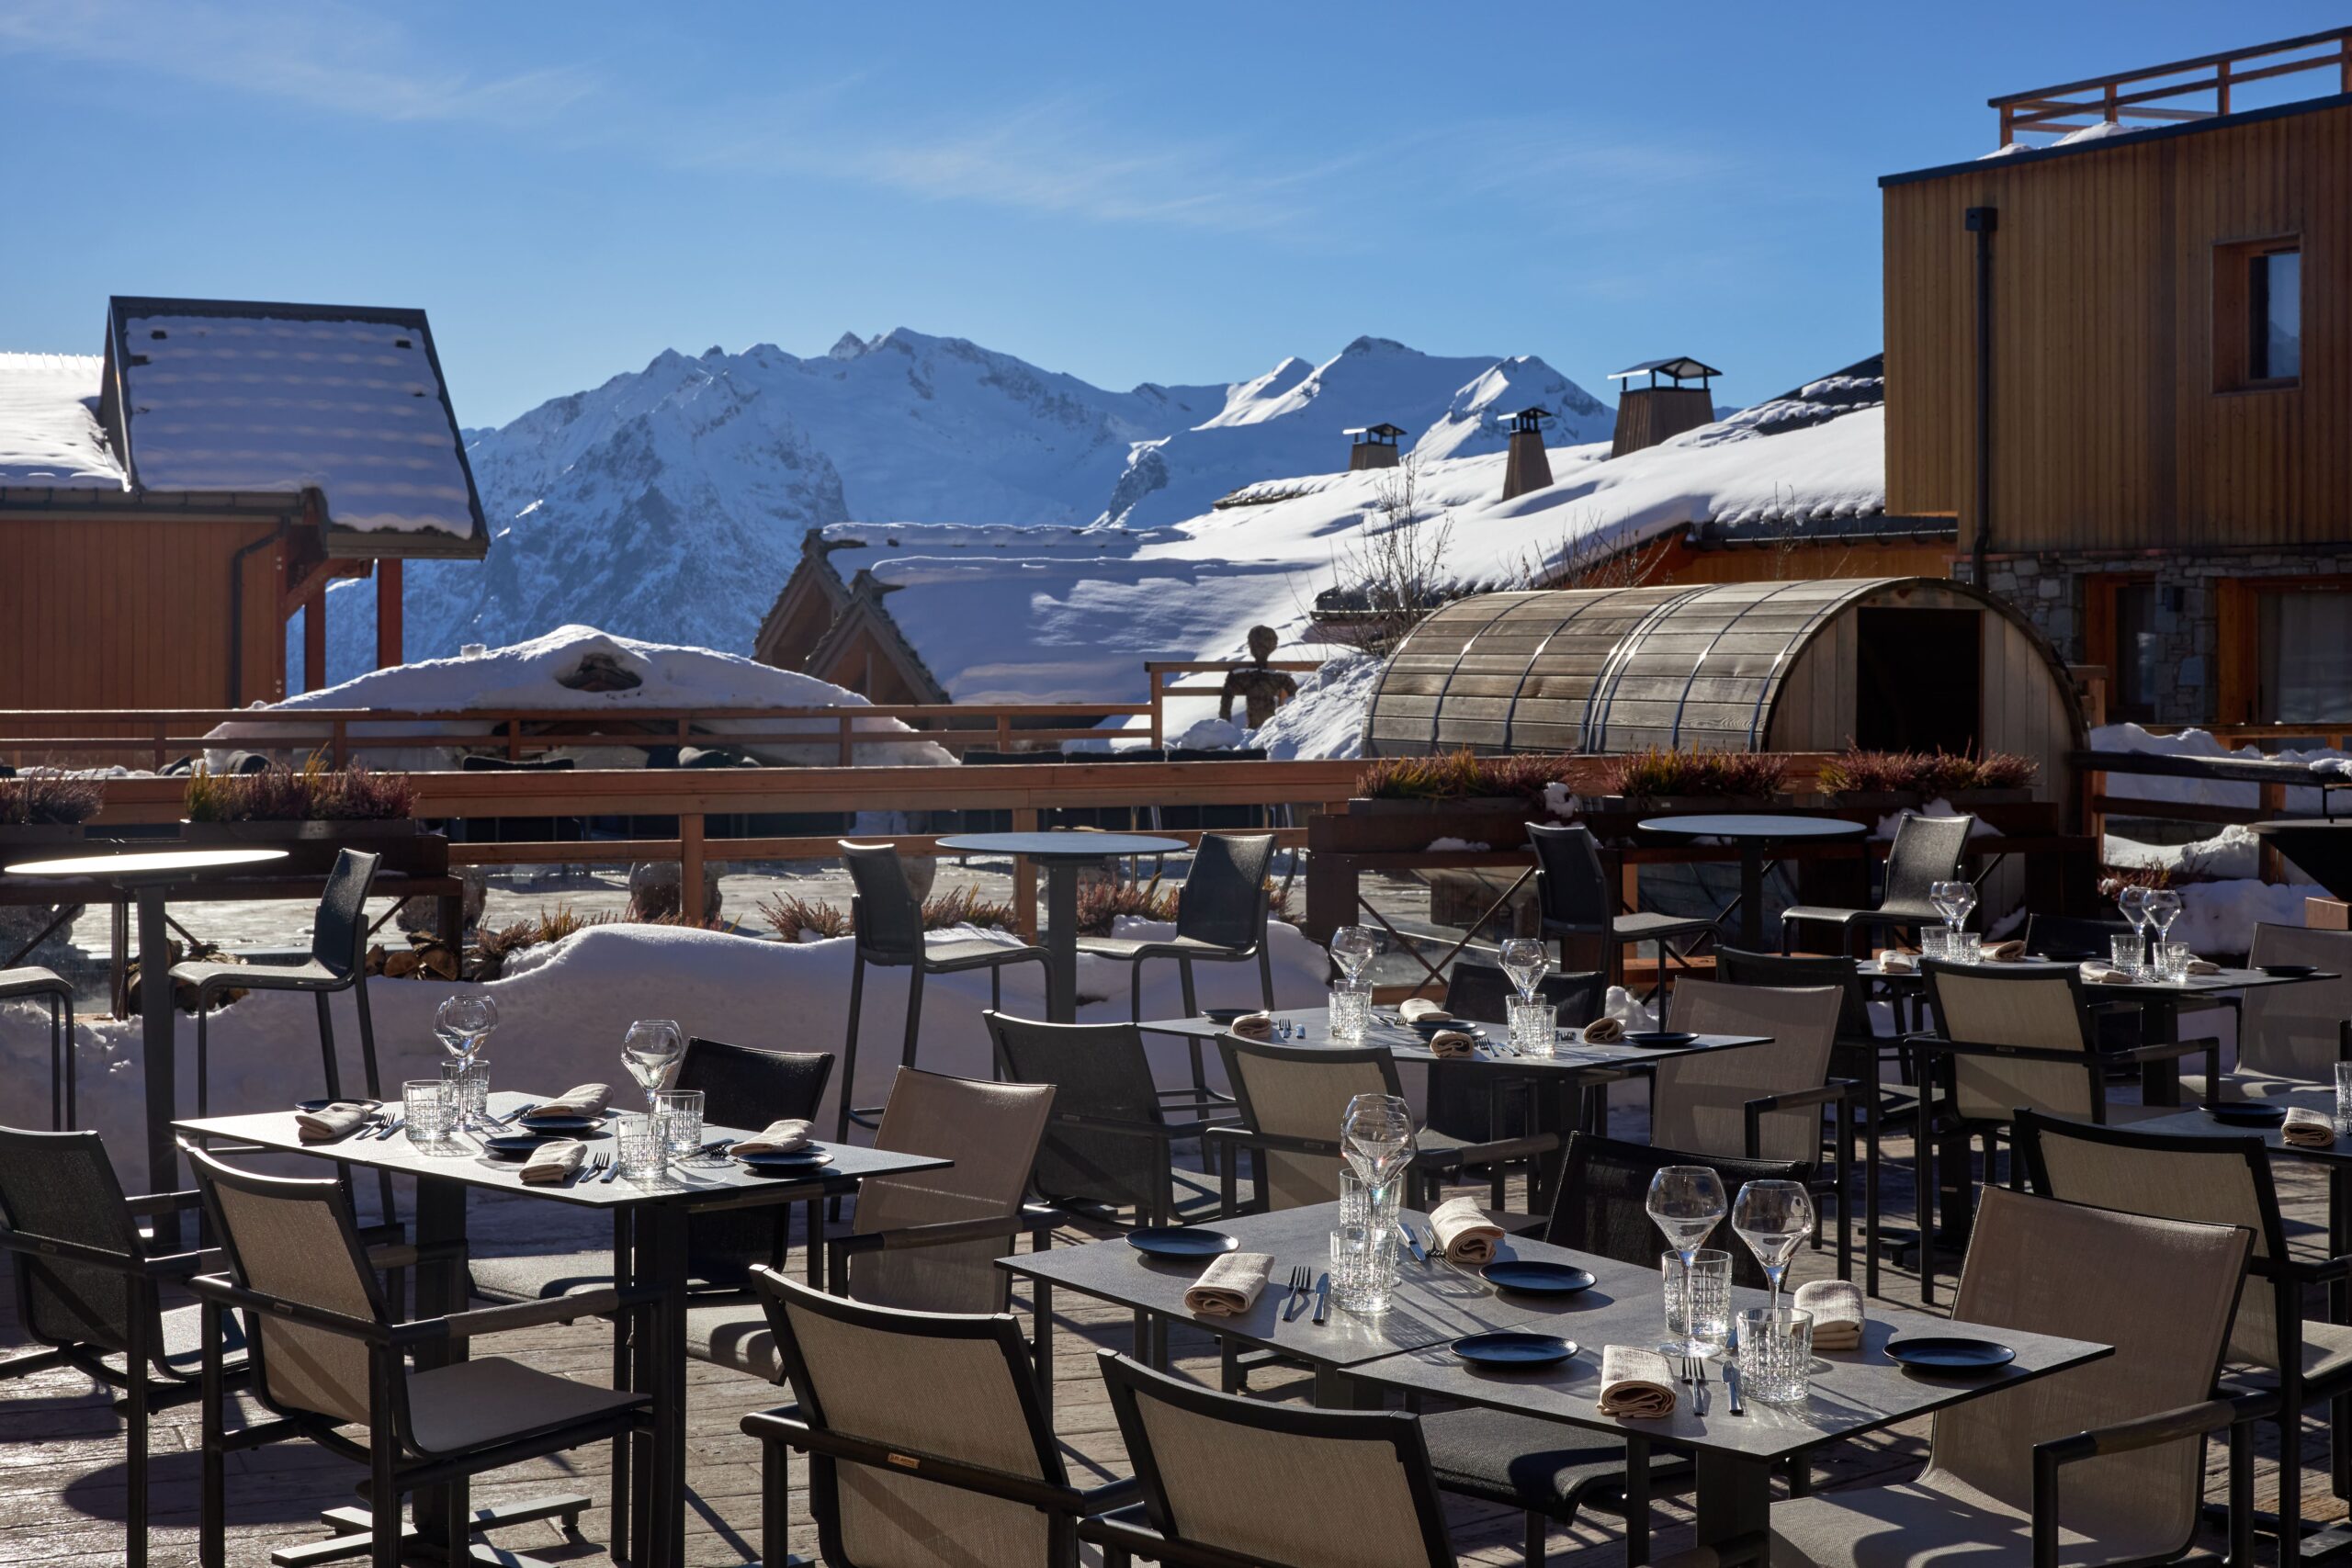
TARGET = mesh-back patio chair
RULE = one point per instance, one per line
(1221, 914)
(2291, 1036)
(1860, 1045)
(31, 983)
(1551, 1473)
(1471, 1103)
(87, 1288)
(1223, 1482)
(1925, 850)
(1292, 1099)
(2072, 939)
(1109, 1145)
(1577, 901)
(330, 1358)
(2103, 1462)
(742, 1086)
(928, 1439)
(2222, 1181)
(888, 934)
(1765, 1101)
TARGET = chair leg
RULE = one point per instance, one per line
(1538, 1527)
(914, 1017)
(1184, 977)
(1266, 972)
(1135, 992)
(72, 1074)
(203, 1052)
(211, 1511)
(776, 1502)
(458, 1516)
(334, 1069)
(372, 1078)
(142, 1307)
(56, 1074)
(849, 1046)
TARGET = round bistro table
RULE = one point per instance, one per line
(1061, 851)
(1753, 833)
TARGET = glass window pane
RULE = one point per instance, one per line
(2276, 352)
(2307, 658)
(2137, 653)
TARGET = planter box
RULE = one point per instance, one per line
(1373, 805)
(1885, 801)
(1412, 825)
(310, 846)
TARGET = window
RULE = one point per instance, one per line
(2306, 656)
(2274, 349)
(2137, 654)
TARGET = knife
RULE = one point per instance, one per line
(1322, 1298)
(610, 1171)
(1412, 1244)
(1731, 1386)
(394, 1126)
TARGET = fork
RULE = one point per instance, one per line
(594, 1168)
(1301, 1280)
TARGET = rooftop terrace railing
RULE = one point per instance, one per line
(2148, 94)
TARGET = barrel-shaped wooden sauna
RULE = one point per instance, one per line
(1905, 663)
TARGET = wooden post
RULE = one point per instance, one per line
(163, 738)
(1004, 744)
(690, 865)
(388, 615)
(848, 758)
(1158, 724)
(314, 639)
(1024, 877)
(2268, 865)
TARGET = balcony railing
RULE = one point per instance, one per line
(2149, 94)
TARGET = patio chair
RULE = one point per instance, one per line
(1469, 1103)
(330, 1358)
(1925, 850)
(2220, 1181)
(2007, 1479)
(1551, 1473)
(1221, 913)
(2009, 1038)
(1861, 1049)
(2290, 1037)
(741, 1087)
(1292, 1099)
(927, 1436)
(32, 983)
(1576, 902)
(1765, 1101)
(87, 1292)
(1110, 1145)
(888, 934)
(1220, 1476)
(2072, 939)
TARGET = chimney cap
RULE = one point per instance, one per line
(1682, 367)
(1529, 417)
(1383, 430)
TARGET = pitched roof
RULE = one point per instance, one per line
(50, 434)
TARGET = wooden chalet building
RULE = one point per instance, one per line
(166, 506)
(838, 629)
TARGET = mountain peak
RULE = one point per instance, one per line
(848, 346)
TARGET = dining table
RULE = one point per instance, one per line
(1063, 851)
(649, 1223)
(147, 878)
(1755, 834)
(1407, 1352)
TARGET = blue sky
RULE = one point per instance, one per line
(1174, 192)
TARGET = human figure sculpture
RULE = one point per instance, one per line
(1262, 690)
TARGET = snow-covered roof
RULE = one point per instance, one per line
(50, 434)
(224, 397)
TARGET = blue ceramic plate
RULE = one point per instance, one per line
(560, 1126)
(778, 1162)
(1533, 1278)
(2289, 971)
(1180, 1241)
(2243, 1115)
(1949, 1353)
(1514, 1351)
(315, 1106)
(1426, 1028)
(1660, 1039)
(1225, 1015)
(511, 1145)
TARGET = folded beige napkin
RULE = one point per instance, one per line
(1635, 1384)
(554, 1160)
(329, 1122)
(1254, 1025)
(2307, 1129)
(787, 1136)
(1463, 1232)
(581, 1099)
(2203, 966)
(1229, 1286)
(1420, 1009)
(2009, 952)
(1896, 961)
(2105, 975)
(1453, 1043)
(1837, 1313)
(1603, 1032)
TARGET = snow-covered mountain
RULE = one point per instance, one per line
(669, 504)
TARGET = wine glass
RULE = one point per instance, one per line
(1773, 1218)
(648, 1050)
(2163, 907)
(1687, 1203)
(1953, 900)
(2132, 902)
(463, 1022)
(1524, 960)
(1352, 948)
(1377, 1136)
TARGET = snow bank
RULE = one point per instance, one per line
(532, 675)
(561, 1023)
(2208, 792)
(1326, 719)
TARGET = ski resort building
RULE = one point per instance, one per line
(168, 506)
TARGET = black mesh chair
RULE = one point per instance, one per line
(1549, 1472)
(2072, 938)
(87, 1291)
(1110, 1143)
(1220, 918)
(888, 934)
(1861, 1048)
(1576, 901)
(1469, 1103)
(1925, 850)
(33, 983)
(741, 1087)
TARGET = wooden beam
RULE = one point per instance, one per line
(388, 608)
(315, 638)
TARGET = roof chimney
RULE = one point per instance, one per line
(1375, 447)
(1527, 468)
(1647, 415)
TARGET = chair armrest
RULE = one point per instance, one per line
(162, 1203)
(2168, 1053)
(1234, 1133)
(526, 1314)
(945, 1233)
(184, 1265)
(2014, 1052)
(1502, 1151)
(223, 1291)
(1158, 1132)
(2313, 1272)
(1828, 1093)
(2126, 1437)
(789, 1428)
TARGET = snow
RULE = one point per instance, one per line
(2300, 799)
(529, 675)
(1326, 719)
(562, 1019)
(352, 408)
(50, 435)
(1211, 735)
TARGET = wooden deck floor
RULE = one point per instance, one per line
(62, 1475)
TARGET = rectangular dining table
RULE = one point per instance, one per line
(650, 1249)
(1407, 1351)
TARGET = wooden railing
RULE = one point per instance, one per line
(2270, 781)
(2141, 95)
(1157, 670)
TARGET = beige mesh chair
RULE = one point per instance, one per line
(329, 1360)
(1765, 1101)
(927, 1434)
(2016, 1037)
(2290, 1037)
(2219, 1180)
(2102, 1463)
(1234, 1482)
(1292, 1099)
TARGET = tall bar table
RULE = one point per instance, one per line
(1061, 851)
